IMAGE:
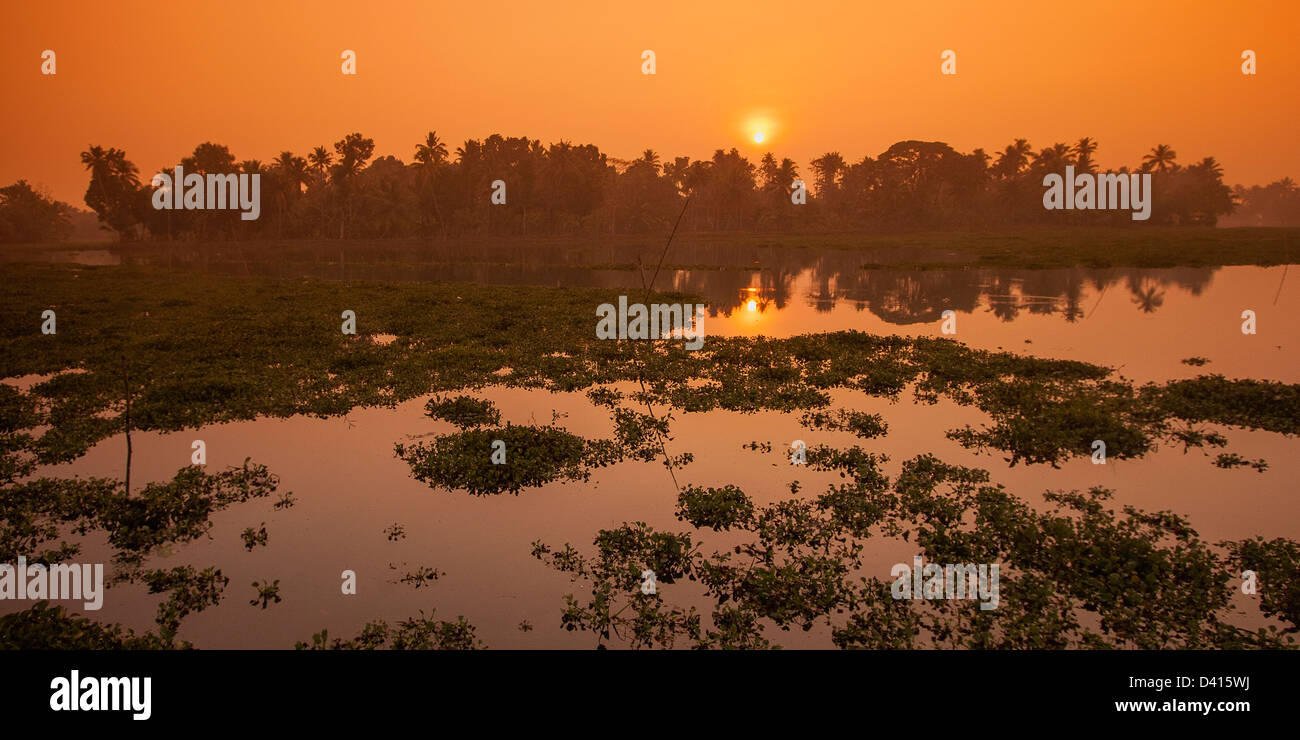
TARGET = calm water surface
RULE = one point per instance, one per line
(350, 486)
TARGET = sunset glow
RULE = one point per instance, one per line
(647, 326)
(265, 77)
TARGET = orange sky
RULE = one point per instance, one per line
(158, 78)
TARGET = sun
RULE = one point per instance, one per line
(758, 137)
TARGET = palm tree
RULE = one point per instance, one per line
(1083, 150)
(651, 158)
(787, 173)
(1054, 158)
(290, 176)
(1161, 159)
(432, 152)
(320, 159)
(827, 170)
(1211, 166)
(96, 160)
(430, 155)
(292, 171)
(677, 171)
(114, 181)
(767, 168)
(1013, 159)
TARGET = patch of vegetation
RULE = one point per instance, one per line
(535, 455)
(45, 627)
(1079, 576)
(1276, 563)
(864, 425)
(188, 590)
(268, 592)
(421, 576)
(1228, 460)
(464, 412)
(38, 512)
(254, 537)
(188, 367)
(415, 633)
(615, 572)
(716, 508)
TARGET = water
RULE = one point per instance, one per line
(350, 486)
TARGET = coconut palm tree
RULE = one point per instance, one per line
(1012, 159)
(320, 159)
(1053, 159)
(432, 152)
(1160, 159)
(430, 155)
(293, 169)
(290, 177)
(1083, 150)
(114, 182)
(827, 170)
(1211, 166)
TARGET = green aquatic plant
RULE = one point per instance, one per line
(414, 633)
(864, 425)
(41, 511)
(46, 627)
(267, 592)
(421, 576)
(1277, 564)
(287, 356)
(1079, 575)
(254, 537)
(464, 412)
(1228, 460)
(535, 455)
(716, 508)
(188, 590)
(621, 606)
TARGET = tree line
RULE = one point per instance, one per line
(566, 189)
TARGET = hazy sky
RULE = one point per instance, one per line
(156, 79)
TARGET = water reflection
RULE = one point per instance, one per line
(732, 278)
(1144, 321)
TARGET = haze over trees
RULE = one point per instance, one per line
(342, 191)
(1275, 204)
(27, 215)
